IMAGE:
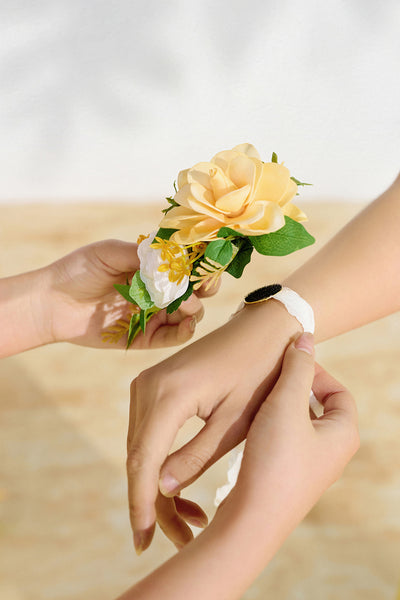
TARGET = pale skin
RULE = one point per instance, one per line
(73, 300)
(289, 461)
(352, 281)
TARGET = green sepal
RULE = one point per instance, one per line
(220, 251)
(139, 293)
(242, 258)
(289, 238)
(171, 202)
(176, 303)
(134, 329)
(124, 291)
(225, 232)
(274, 157)
(164, 233)
(297, 182)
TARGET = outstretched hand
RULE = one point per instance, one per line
(84, 302)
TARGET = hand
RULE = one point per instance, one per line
(290, 457)
(289, 460)
(222, 379)
(83, 301)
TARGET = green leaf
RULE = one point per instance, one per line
(134, 329)
(124, 291)
(164, 233)
(139, 293)
(225, 232)
(297, 182)
(219, 250)
(274, 157)
(293, 236)
(176, 303)
(241, 259)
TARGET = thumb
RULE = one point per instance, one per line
(297, 374)
(117, 256)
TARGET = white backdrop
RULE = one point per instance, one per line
(109, 99)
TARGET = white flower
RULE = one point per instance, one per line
(162, 290)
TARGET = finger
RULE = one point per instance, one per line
(190, 307)
(336, 399)
(292, 390)
(149, 443)
(202, 292)
(191, 512)
(173, 335)
(117, 256)
(222, 432)
(171, 523)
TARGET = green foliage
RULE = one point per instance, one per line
(220, 251)
(134, 329)
(293, 236)
(225, 232)
(297, 182)
(171, 203)
(139, 293)
(164, 233)
(124, 291)
(145, 316)
(274, 157)
(242, 258)
(176, 303)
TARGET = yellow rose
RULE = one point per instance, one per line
(235, 189)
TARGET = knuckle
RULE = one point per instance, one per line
(195, 462)
(135, 460)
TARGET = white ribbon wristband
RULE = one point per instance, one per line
(302, 311)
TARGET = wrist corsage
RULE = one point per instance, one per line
(221, 211)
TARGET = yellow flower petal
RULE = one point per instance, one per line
(272, 219)
(294, 212)
(201, 174)
(247, 149)
(289, 193)
(224, 158)
(220, 183)
(273, 183)
(243, 170)
(234, 202)
(182, 178)
(180, 216)
(206, 230)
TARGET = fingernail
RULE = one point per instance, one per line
(193, 324)
(168, 485)
(138, 542)
(305, 342)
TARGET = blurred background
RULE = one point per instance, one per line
(101, 104)
(108, 100)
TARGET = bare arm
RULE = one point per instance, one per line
(278, 483)
(355, 278)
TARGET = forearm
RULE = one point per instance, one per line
(222, 562)
(355, 279)
(22, 312)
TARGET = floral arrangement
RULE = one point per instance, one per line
(221, 211)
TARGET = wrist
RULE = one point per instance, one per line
(24, 316)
